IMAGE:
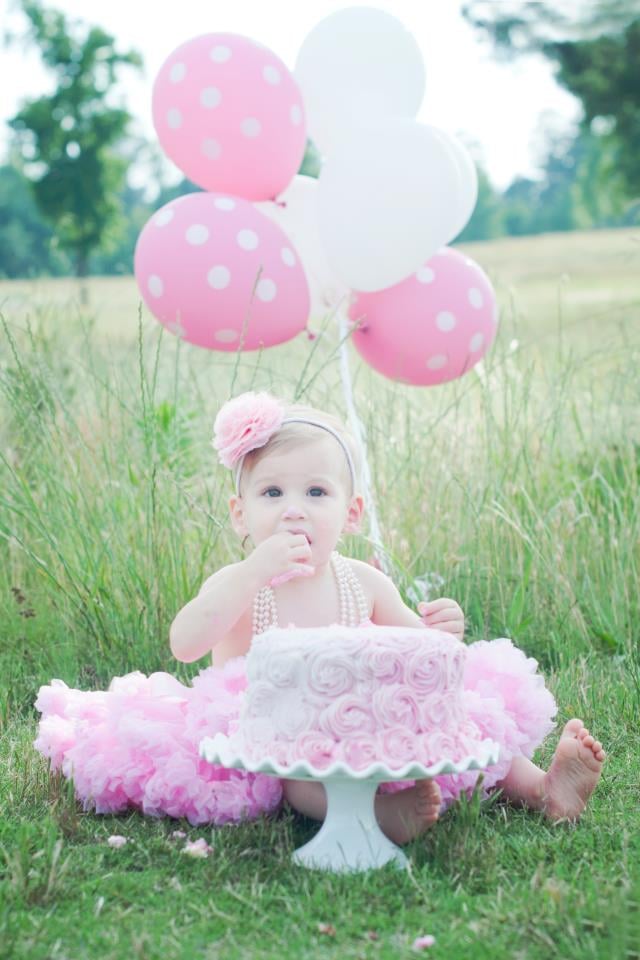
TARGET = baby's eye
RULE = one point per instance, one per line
(272, 492)
(317, 492)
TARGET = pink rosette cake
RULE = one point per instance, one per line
(356, 695)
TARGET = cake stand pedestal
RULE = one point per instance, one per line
(350, 838)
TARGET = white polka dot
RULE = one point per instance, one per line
(174, 119)
(445, 321)
(155, 285)
(271, 75)
(178, 72)
(247, 239)
(475, 298)
(197, 234)
(266, 290)
(226, 336)
(296, 115)
(211, 148)
(218, 277)
(425, 275)
(437, 361)
(251, 127)
(163, 217)
(476, 342)
(224, 203)
(220, 54)
(210, 97)
(288, 257)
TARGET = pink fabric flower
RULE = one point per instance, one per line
(245, 423)
(197, 848)
(421, 943)
(116, 841)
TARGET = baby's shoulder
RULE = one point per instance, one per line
(371, 579)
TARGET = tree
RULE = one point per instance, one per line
(68, 140)
(595, 47)
(486, 221)
(312, 161)
(537, 26)
(27, 244)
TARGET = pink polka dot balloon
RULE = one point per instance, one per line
(433, 326)
(217, 272)
(229, 114)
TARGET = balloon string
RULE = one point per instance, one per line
(360, 436)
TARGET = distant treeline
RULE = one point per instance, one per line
(578, 190)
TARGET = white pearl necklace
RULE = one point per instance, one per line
(354, 607)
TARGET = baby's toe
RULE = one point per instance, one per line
(573, 727)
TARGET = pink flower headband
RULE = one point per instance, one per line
(249, 421)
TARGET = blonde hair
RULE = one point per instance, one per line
(291, 435)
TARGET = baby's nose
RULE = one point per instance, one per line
(292, 512)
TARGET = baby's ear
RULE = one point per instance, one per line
(236, 512)
(354, 515)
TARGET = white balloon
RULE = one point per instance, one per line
(295, 211)
(385, 203)
(466, 194)
(357, 66)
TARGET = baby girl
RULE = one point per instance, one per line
(295, 472)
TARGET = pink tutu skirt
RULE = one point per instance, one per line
(136, 744)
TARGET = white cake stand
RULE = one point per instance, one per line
(350, 838)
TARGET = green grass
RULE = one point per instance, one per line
(519, 485)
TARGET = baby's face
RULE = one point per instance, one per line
(302, 490)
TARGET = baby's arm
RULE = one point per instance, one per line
(388, 607)
(207, 619)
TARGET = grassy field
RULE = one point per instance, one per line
(519, 485)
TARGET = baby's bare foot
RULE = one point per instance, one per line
(573, 774)
(403, 816)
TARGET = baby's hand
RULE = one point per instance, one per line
(443, 614)
(281, 557)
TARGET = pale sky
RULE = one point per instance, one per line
(468, 93)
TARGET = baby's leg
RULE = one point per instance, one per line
(563, 791)
(306, 797)
(402, 816)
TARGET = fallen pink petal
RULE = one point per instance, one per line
(178, 835)
(197, 848)
(116, 841)
(422, 943)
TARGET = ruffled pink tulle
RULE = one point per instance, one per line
(136, 744)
